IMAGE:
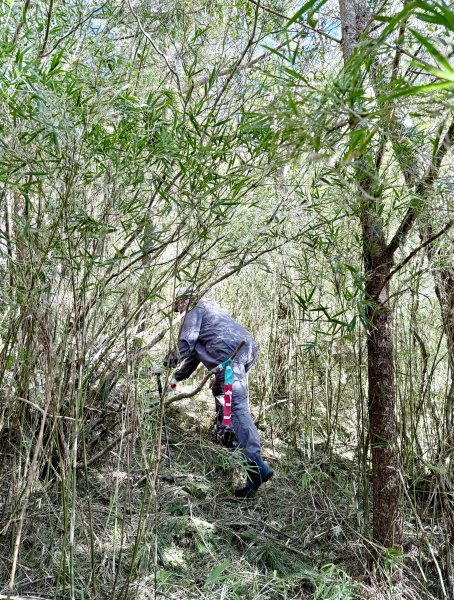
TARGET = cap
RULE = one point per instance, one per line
(185, 292)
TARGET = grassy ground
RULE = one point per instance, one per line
(298, 538)
(282, 544)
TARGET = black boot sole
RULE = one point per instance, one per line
(249, 496)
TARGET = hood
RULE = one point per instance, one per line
(207, 303)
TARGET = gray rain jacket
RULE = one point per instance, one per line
(210, 335)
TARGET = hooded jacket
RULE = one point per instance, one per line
(209, 335)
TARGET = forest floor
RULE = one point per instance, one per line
(297, 538)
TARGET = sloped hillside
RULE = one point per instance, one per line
(172, 529)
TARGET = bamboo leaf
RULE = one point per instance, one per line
(433, 51)
(215, 576)
(305, 8)
(417, 89)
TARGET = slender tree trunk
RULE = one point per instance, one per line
(378, 261)
(382, 393)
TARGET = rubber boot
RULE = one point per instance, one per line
(258, 473)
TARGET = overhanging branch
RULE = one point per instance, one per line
(425, 183)
(413, 253)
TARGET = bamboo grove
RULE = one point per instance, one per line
(293, 160)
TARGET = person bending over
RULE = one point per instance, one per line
(210, 336)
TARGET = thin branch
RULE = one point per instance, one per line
(228, 70)
(42, 411)
(22, 21)
(241, 266)
(72, 30)
(192, 393)
(153, 45)
(304, 25)
(269, 10)
(422, 185)
(413, 253)
(399, 42)
(239, 61)
(106, 449)
(402, 230)
(127, 267)
(46, 33)
(435, 165)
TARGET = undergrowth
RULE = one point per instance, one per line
(186, 537)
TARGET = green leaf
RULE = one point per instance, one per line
(417, 89)
(441, 74)
(299, 13)
(443, 16)
(436, 469)
(215, 576)
(276, 52)
(433, 51)
(56, 59)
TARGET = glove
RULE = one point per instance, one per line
(171, 360)
(173, 383)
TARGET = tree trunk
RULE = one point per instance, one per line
(382, 392)
(378, 261)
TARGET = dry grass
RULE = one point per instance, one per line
(186, 537)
